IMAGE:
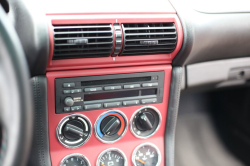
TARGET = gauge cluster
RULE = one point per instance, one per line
(145, 154)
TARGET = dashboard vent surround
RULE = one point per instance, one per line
(83, 41)
(148, 38)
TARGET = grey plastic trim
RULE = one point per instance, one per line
(209, 37)
(173, 106)
(213, 71)
(215, 6)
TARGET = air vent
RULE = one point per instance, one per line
(82, 41)
(149, 38)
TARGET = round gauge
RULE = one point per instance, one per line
(146, 154)
(75, 159)
(112, 157)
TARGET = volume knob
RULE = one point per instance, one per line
(68, 101)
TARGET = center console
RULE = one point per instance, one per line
(118, 108)
(109, 77)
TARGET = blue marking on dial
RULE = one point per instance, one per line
(98, 127)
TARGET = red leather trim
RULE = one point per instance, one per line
(85, 63)
(94, 147)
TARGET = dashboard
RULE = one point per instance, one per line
(108, 76)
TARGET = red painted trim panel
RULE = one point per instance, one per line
(102, 62)
(94, 147)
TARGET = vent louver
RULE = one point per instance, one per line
(82, 41)
(149, 38)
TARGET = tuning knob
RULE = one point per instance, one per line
(145, 122)
(68, 101)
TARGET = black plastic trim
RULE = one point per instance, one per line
(173, 107)
(39, 155)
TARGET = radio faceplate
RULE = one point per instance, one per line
(87, 93)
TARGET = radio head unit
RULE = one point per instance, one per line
(108, 91)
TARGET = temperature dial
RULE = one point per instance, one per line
(74, 130)
(112, 157)
(111, 126)
(75, 159)
(145, 122)
(146, 154)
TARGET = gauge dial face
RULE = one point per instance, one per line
(146, 154)
(112, 157)
(75, 160)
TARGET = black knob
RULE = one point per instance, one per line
(145, 121)
(110, 125)
(68, 101)
(73, 130)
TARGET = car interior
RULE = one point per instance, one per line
(124, 83)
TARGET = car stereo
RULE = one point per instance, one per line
(108, 91)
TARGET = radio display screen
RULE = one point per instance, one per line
(111, 95)
(115, 81)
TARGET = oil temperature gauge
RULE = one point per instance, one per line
(112, 157)
(75, 159)
(146, 154)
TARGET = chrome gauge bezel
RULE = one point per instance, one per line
(146, 144)
(132, 117)
(112, 149)
(63, 121)
(75, 155)
(125, 128)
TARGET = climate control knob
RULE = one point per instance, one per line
(145, 122)
(74, 130)
(110, 126)
(68, 101)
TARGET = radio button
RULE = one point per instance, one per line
(66, 109)
(76, 108)
(75, 90)
(114, 104)
(66, 91)
(131, 102)
(69, 85)
(92, 106)
(94, 89)
(149, 101)
(150, 84)
(131, 86)
(73, 108)
(112, 87)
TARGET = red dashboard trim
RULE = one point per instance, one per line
(94, 147)
(118, 61)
